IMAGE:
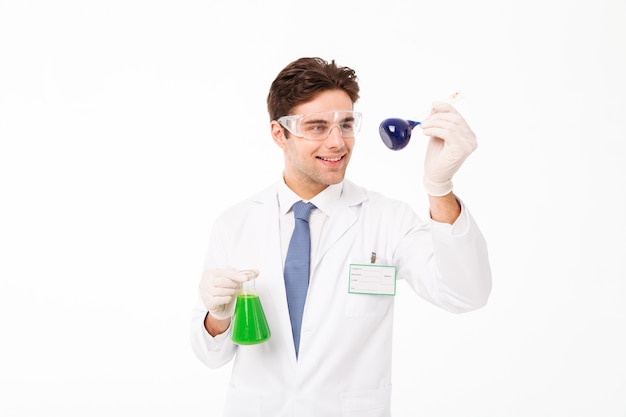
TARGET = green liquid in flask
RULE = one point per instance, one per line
(249, 322)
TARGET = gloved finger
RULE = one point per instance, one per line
(219, 301)
(224, 282)
(223, 291)
(451, 125)
(226, 277)
(211, 285)
(459, 145)
(446, 133)
(445, 110)
(441, 131)
(240, 276)
(443, 107)
(450, 130)
(448, 119)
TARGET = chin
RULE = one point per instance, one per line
(334, 180)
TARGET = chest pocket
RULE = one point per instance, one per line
(367, 305)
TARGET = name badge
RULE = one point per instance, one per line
(372, 279)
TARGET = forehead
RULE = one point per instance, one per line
(325, 101)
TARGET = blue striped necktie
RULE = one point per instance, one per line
(297, 268)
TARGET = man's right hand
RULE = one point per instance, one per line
(219, 288)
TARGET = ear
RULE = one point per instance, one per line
(278, 134)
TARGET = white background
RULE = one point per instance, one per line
(126, 126)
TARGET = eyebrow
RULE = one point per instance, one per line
(345, 119)
(315, 121)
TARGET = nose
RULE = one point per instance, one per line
(334, 139)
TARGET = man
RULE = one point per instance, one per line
(330, 355)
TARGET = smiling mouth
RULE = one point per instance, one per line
(336, 159)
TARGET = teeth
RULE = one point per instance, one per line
(332, 159)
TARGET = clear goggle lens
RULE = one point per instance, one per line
(317, 126)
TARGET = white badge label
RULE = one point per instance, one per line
(372, 279)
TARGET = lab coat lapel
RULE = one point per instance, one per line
(275, 307)
(343, 217)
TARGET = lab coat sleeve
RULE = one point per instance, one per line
(457, 276)
(219, 350)
(212, 351)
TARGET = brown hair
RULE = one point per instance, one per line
(304, 78)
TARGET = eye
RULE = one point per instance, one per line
(315, 127)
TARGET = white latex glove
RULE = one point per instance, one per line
(219, 289)
(451, 142)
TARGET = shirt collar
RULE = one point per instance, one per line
(326, 201)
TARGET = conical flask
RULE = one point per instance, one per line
(249, 325)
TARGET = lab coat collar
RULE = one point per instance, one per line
(346, 193)
(326, 201)
(340, 208)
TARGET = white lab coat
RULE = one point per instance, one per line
(344, 364)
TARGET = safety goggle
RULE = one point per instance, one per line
(317, 126)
